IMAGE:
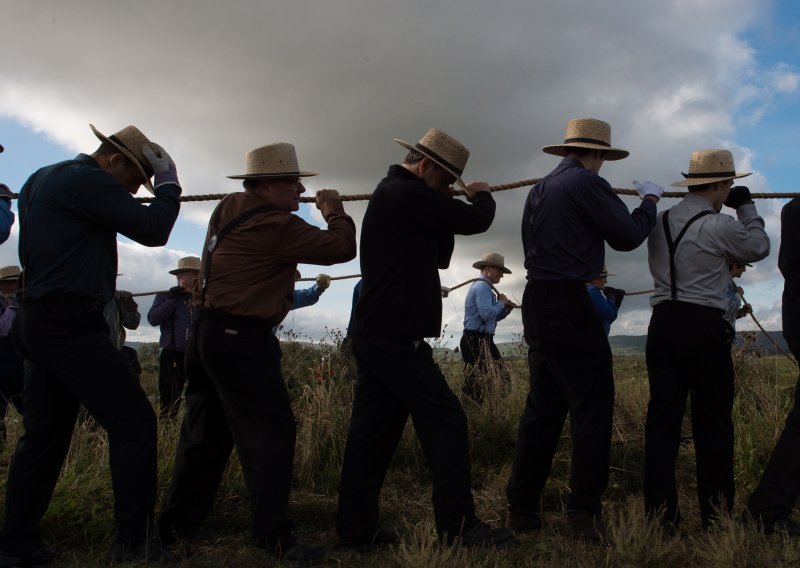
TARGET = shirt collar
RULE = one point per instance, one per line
(698, 201)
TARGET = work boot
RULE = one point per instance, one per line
(523, 521)
(585, 525)
(42, 556)
(380, 538)
(481, 535)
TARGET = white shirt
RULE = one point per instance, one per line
(702, 256)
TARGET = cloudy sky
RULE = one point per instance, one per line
(341, 79)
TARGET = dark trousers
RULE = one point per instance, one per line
(171, 379)
(779, 487)
(70, 360)
(11, 381)
(395, 381)
(688, 353)
(570, 372)
(481, 356)
(235, 396)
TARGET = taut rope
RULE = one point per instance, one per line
(775, 343)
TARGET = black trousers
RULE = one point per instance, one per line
(779, 487)
(480, 355)
(11, 381)
(171, 379)
(235, 396)
(395, 381)
(570, 372)
(688, 353)
(70, 360)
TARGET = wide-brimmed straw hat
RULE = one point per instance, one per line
(187, 264)
(130, 142)
(9, 273)
(272, 161)
(443, 149)
(710, 166)
(492, 259)
(587, 133)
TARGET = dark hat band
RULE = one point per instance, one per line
(703, 175)
(438, 158)
(587, 141)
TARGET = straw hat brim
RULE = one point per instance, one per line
(612, 154)
(273, 176)
(481, 263)
(147, 183)
(428, 155)
(700, 181)
(179, 270)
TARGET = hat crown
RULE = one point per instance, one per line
(590, 130)
(447, 149)
(8, 272)
(131, 142)
(713, 162)
(272, 160)
(493, 259)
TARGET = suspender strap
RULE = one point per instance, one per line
(673, 246)
(218, 235)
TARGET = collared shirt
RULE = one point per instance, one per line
(70, 214)
(606, 307)
(174, 316)
(253, 267)
(118, 317)
(702, 257)
(8, 311)
(482, 310)
(408, 234)
(6, 219)
(569, 215)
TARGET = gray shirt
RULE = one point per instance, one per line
(702, 257)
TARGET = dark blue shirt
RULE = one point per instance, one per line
(70, 214)
(568, 216)
(606, 307)
(174, 316)
(6, 219)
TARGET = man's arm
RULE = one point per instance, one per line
(306, 297)
(6, 216)
(161, 310)
(621, 229)
(488, 308)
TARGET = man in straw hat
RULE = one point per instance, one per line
(569, 216)
(406, 236)
(774, 498)
(70, 214)
(688, 343)
(606, 299)
(235, 395)
(482, 310)
(11, 366)
(173, 313)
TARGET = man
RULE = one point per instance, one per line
(482, 311)
(173, 312)
(688, 343)
(569, 216)
(70, 214)
(11, 366)
(122, 313)
(6, 216)
(606, 299)
(409, 228)
(774, 498)
(735, 310)
(235, 395)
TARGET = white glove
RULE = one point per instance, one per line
(645, 188)
(323, 281)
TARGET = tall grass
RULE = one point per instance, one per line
(320, 377)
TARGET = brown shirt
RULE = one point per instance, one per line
(253, 267)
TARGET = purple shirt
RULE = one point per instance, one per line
(174, 317)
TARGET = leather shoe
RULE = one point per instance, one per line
(481, 535)
(523, 521)
(588, 526)
(42, 556)
(147, 551)
(381, 537)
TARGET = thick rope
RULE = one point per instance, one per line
(775, 343)
(501, 187)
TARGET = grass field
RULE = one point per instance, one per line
(320, 378)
